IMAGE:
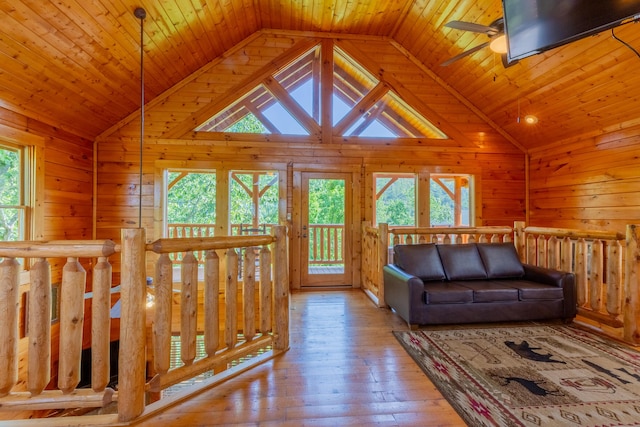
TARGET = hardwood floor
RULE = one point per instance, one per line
(344, 368)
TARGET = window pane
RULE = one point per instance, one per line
(395, 199)
(11, 211)
(254, 200)
(11, 224)
(450, 200)
(191, 198)
(9, 177)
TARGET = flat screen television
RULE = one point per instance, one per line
(534, 26)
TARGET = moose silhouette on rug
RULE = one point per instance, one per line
(525, 351)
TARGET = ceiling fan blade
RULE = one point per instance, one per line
(463, 54)
(470, 26)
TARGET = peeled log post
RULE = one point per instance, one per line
(554, 257)
(189, 308)
(211, 302)
(631, 285)
(519, 239)
(249, 294)
(582, 285)
(9, 306)
(101, 325)
(281, 291)
(72, 291)
(132, 359)
(542, 251)
(596, 284)
(231, 300)
(163, 312)
(566, 262)
(614, 278)
(381, 259)
(531, 250)
(266, 294)
(39, 325)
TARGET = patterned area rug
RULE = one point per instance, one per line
(531, 375)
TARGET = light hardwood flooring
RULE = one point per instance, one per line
(344, 368)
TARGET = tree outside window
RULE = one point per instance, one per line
(11, 195)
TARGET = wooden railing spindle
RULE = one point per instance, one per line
(211, 302)
(188, 308)
(39, 327)
(231, 294)
(163, 295)
(101, 325)
(249, 294)
(9, 301)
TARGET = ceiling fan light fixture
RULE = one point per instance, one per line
(499, 44)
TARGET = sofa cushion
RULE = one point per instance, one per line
(534, 291)
(500, 260)
(420, 260)
(462, 262)
(446, 293)
(490, 291)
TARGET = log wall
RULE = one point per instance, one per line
(65, 205)
(588, 182)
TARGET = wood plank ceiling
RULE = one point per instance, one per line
(75, 64)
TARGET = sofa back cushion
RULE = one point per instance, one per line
(462, 262)
(500, 260)
(420, 260)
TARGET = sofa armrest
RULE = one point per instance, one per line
(560, 279)
(402, 291)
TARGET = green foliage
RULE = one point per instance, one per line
(241, 209)
(397, 205)
(9, 194)
(326, 201)
(192, 200)
(247, 124)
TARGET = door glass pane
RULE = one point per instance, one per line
(326, 226)
(254, 201)
(395, 199)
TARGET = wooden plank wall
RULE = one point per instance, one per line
(67, 202)
(588, 182)
(475, 148)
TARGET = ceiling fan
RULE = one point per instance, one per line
(497, 39)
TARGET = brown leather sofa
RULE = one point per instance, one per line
(472, 283)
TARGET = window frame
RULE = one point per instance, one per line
(32, 148)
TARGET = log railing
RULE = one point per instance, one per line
(245, 323)
(605, 291)
(326, 244)
(606, 264)
(32, 395)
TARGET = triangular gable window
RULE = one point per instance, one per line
(289, 103)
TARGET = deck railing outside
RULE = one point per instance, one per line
(244, 324)
(606, 264)
(326, 241)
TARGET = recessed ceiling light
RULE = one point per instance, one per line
(530, 119)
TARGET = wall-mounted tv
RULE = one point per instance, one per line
(534, 26)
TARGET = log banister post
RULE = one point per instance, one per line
(383, 259)
(631, 285)
(39, 324)
(9, 300)
(132, 358)
(281, 290)
(100, 324)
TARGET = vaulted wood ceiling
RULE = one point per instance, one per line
(75, 64)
